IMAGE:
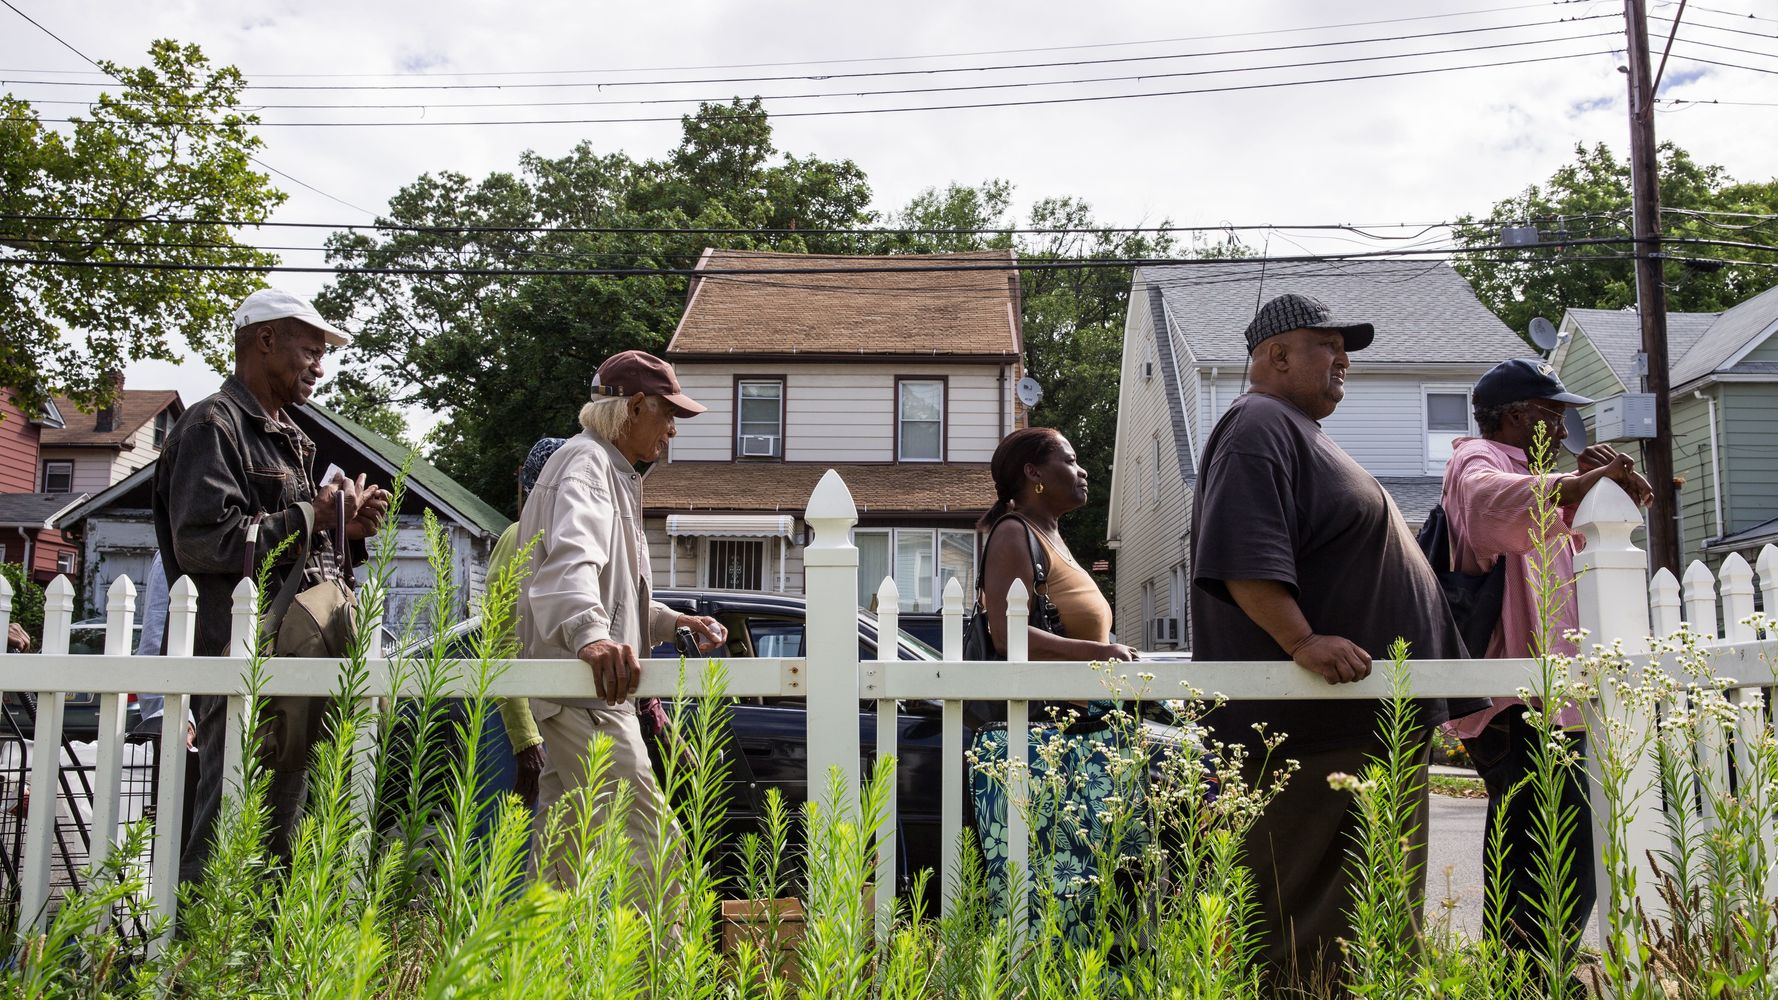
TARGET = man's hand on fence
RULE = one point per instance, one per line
(17, 639)
(531, 761)
(1338, 660)
(1620, 469)
(615, 671)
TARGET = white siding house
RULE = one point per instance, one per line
(1407, 397)
(901, 377)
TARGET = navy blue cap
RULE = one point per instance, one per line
(1520, 379)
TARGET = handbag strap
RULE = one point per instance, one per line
(280, 605)
(1040, 564)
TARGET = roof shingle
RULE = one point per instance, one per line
(1617, 335)
(965, 488)
(81, 428)
(908, 308)
(1423, 312)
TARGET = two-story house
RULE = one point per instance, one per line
(94, 449)
(1724, 393)
(897, 374)
(1407, 400)
(26, 509)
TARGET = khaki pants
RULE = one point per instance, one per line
(1298, 848)
(568, 733)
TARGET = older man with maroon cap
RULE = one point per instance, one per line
(588, 596)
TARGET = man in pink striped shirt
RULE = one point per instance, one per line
(1489, 496)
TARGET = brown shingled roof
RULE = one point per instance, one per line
(909, 309)
(135, 408)
(774, 486)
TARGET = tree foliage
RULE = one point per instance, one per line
(170, 144)
(1589, 198)
(506, 360)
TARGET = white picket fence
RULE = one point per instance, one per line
(1616, 600)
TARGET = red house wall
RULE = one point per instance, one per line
(18, 448)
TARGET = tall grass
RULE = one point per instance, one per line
(425, 893)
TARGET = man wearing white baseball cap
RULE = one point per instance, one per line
(234, 480)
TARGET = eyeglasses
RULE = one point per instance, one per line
(1547, 413)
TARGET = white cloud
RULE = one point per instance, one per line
(1406, 149)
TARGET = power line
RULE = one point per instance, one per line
(1359, 228)
(1002, 85)
(824, 113)
(873, 74)
(863, 59)
(1713, 27)
(948, 267)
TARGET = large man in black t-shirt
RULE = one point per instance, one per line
(1299, 554)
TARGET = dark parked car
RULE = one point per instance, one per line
(80, 711)
(767, 743)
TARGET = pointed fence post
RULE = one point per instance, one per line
(1767, 565)
(243, 635)
(830, 566)
(1612, 601)
(169, 809)
(888, 738)
(1018, 757)
(952, 785)
(1709, 753)
(120, 612)
(46, 759)
(1663, 603)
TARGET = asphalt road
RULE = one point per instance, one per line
(1454, 866)
(1454, 863)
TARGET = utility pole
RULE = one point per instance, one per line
(1651, 293)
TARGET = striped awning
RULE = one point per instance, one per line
(731, 525)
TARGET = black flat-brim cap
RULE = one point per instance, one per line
(1292, 311)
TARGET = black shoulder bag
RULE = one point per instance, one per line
(978, 642)
(1475, 598)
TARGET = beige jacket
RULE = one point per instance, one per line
(590, 578)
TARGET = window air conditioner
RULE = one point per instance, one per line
(758, 446)
(1164, 630)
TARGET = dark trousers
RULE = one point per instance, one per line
(1505, 756)
(1298, 852)
(288, 730)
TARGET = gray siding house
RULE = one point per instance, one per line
(1407, 400)
(1725, 413)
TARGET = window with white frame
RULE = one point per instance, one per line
(920, 420)
(163, 422)
(1177, 587)
(920, 560)
(64, 562)
(1447, 419)
(58, 477)
(759, 418)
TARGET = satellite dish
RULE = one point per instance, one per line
(1543, 333)
(1029, 391)
(1572, 422)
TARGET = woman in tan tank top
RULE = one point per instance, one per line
(1037, 480)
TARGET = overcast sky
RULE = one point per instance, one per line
(1420, 148)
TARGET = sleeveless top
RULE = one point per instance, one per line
(1085, 612)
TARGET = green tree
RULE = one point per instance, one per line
(1589, 198)
(506, 359)
(172, 143)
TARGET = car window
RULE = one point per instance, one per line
(776, 637)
